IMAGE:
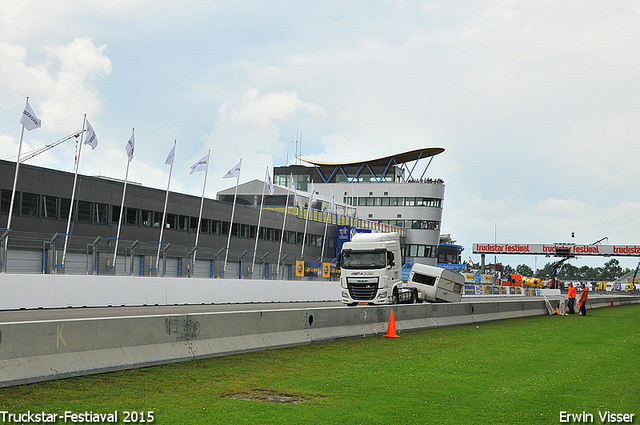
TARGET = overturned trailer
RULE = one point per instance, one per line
(436, 285)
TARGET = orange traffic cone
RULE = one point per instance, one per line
(391, 329)
(611, 303)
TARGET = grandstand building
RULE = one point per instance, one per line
(42, 205)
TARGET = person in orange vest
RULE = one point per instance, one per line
(584, 294)
(572, 298)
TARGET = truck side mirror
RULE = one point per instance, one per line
(339, 261)
(390, 258)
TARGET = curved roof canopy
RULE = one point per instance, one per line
(400, 158)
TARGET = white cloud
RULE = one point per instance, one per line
(252, 124)
(262, 110)
(60, 89)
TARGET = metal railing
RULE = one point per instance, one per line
(32, 253)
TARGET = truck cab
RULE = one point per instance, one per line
(371, 269)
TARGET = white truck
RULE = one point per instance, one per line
(371, 273)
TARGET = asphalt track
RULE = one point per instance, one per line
(87, 313)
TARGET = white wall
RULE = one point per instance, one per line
(56, 291)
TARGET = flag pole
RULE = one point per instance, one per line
(304, 236)
(284, 220)
(164, 212)
(326, 223)
(15, 179)
(13, 195)
(255, 248)
(204, 185)
(73, 192)
(233, 210)
(124, 191)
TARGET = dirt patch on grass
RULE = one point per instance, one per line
(269, 397)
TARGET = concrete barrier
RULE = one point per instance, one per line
(60, 291)
(46, 350)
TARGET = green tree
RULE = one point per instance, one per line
(545, 272)
(524, 270)
(611, 270)
(570, 272)
(507, 270)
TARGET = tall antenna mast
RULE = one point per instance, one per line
(296, 142)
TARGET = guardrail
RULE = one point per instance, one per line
(55, 349)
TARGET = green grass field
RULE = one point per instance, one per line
(518, 371)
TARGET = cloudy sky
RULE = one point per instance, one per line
(536, 103)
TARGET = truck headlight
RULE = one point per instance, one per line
(345, 294)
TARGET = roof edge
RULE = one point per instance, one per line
(400, 158)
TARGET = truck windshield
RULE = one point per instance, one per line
(364, 259)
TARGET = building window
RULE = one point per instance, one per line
(6, 200)
(49, 206)
(30, 202)
(157, 219)
(183, 223)
(424, 251)
(172, 221)
(425, 224)
(193, 224)
(281, 180)
(205, 225)
(147, 218)
(83, 214)
(101, 213)
(65, 206)
(216, 227)
(224, 228)
(132, 216)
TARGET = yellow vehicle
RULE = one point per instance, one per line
(532, 282)
(631, 286)
(600, 286)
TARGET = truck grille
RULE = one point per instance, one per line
(362, 289)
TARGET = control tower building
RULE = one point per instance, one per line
(392, 190)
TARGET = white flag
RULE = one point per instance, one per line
(270, 183)
(91, 140)
(313, 193)
(171, 156)
(130, 146)
(29, 119)
(333, 202)
(234, 172)
(202, 165)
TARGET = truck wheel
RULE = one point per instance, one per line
(394, 297)
(414, 297)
